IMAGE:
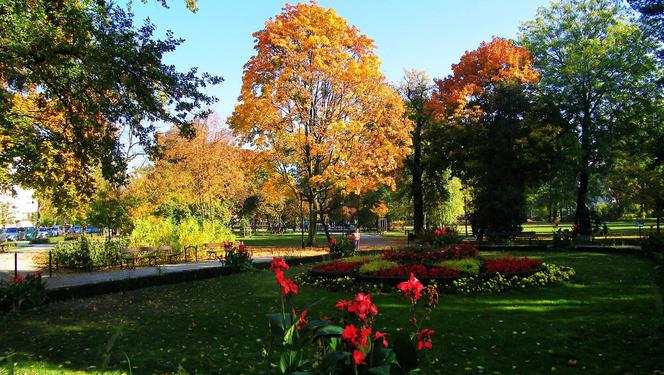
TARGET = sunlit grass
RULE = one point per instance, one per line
(605, 320)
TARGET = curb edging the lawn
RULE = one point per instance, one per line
(114, 286)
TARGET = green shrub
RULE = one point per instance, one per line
(377, 265)
(341, 247)
(470, 266)
(22, 292)
(550, 273)
(239, 258)
(85, 254)
(653, 244)
(191, 231)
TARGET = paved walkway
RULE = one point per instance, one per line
(76, 279)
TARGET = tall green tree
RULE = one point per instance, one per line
(593, 61)
(494, 132)
(73, 75)
(416, 89)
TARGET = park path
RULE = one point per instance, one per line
(59, 281)
(26, 264)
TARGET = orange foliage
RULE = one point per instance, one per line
(205, 170)
(475, 74)
(315, 103)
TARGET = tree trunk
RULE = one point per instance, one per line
(582, 215)
(416, 188)
(324, 222)
(311, 241)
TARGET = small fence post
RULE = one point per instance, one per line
(50, 264)
(15, 264)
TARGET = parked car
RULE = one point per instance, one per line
(90, 230)
(11, 233)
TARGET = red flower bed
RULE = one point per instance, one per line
(460, 251)
(340, 267)
(419, 270)
(511, 265)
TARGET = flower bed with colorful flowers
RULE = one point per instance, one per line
(22, 292)
(456, 268)
(347, 343)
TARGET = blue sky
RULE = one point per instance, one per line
(424, 34)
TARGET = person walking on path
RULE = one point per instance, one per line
(356, 236)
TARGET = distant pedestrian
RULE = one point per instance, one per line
(357, 239)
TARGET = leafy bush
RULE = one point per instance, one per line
(350, 344)
(440, 238)
(420, 255)
(548, 274)
(341, 247)
(340, 267)
(563, 239)
(469, 266)
(653, 243)
(377, 265)
(511, 265)
(419, 270)
(191, 231)
(22, 292)
(239, 258)
(85, 254)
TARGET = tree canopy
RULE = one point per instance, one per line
(315, 102)
(73, 75)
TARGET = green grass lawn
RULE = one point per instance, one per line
(278, 240)
(606, 320)
(615, 227)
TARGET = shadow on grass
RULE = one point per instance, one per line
(602, 321)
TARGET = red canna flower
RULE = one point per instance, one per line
(350, 334)
(379, 335)
(358, 358)
(443, 230)
(424, 339)
(288, 287)
(362, 306)
(343, 305)
(412, 288)
(437, 232)
(302, 321)
(278, 264)
(333, 241)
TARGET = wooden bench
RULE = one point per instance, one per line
(72, 236)
(513, 235)
(152, 254)
(217, 250)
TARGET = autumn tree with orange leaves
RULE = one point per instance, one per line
(493, 131)
(315, 102)
(192, 176)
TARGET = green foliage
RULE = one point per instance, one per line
(341, 247)
(101, 73)
(563, 239)
(597, 66)
(550, 273)
(85, 254)
(470, 266)
(377, 265)
(155, 231)
(22, 292)
(653, 246)
(239, 258)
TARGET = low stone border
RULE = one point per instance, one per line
(114, 286)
